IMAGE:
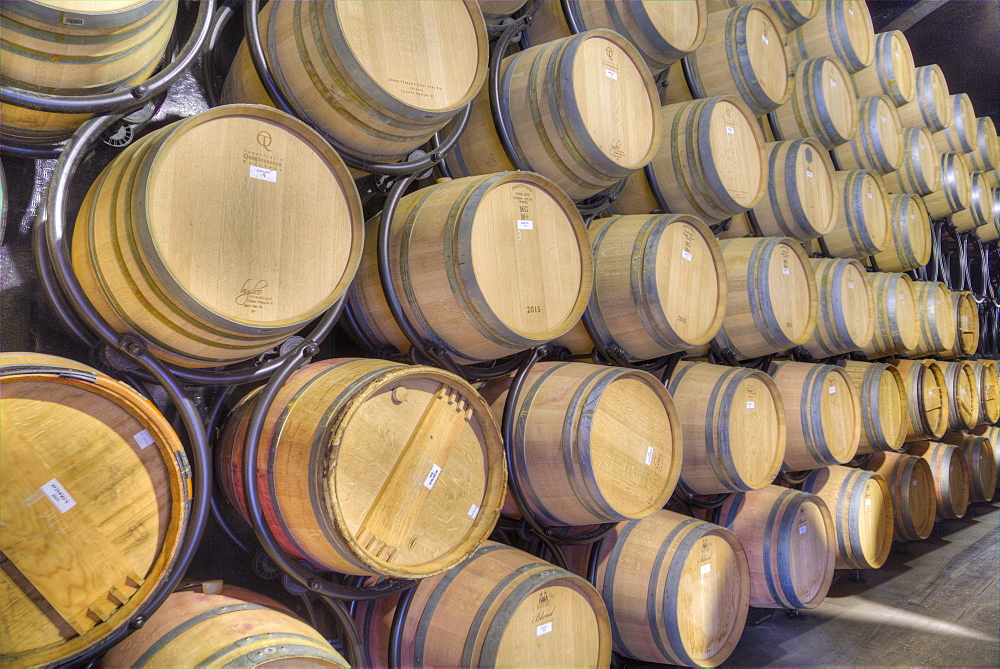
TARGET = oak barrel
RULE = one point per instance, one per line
(878, 144)
(963, 394)
(961, 135)
(956, 187)
(822, 104)
(790, 544)
(892, 74)
(800, 200)
(936, 316)
(792, 13)
(950, 474)
(986, 155)
(95, 489)
(219, 236)
(921, 170)
(931, 107)
(981, 205)
(993, 434)
(911, 235)
(734, 427)
(882, 395)
(967, 326)
(911, 487)
(988, 386)
(897, 328)
(861, 507)
(372, 467)
(841, 30)
(864, 226)
(989, 233)
(980, 457)
(379, 77)
(927, 405)
(592, 444)
(993, 176)
(495, 11)
(500, 608)
(483, 266)
(846, 316)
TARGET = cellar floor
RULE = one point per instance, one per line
(935, 603)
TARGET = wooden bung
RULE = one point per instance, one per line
(372, 467)
(846, 316)
(790, 543)
(950, 474)
(841, 30)
(879, 143)
(988, 386)
(955, 193)
(931, 107)
(980, 457)
(96, 494)
(648, 270)
(991, 433)
(582, 111)
(892, 74)
(822, 105)
(500, 608)
(677, 589)
(961, 135)
(822, 412)
(921, 170)
(911, 487)
(219, 236)
(986, 154)
(967, 330)
(911, 235)
(864, 226)
(980, 209)
(927, 405)
(882, 395)
(861, 507)
(792, 13)
(483, 266)
(897, 328)
(936, 316)
(379, 77)
(800, 200)
(734, 427)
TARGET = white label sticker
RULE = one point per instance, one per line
(58, 496)
(750, 405)
(914, 483)
(832, 390)
(730, 130)
(432, 477)
(144, 439)
(869, 196)
(809, 174)
(705, 568)
(543, 629)
(687, 256)
(649, 455)
(611, 75)
(473, 511)
(850, 11)
(763, 38)
(850, 284)
(525, 225)
(901, 296)
(263, 174)
(802, 529)
(786, 271)
(868, 501)
(833, 84)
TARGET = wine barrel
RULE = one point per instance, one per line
(663, 32)
(950, 474)
(822, 105)
(646, 269)
(963, 395)
(931, 107)
(841, 30)
(993, 177)
(591, 444)
(986, 156)
(911, 235)
(897, 328)
(882, 395)
(993, 435)
(772, 298)
(927, 405)
(921, 170)
(372, 467)
(483, 266)
(792, 13)
(221, 263)
(96, 494)
(861, 507)
(711, 163)
(790, 545)
(582, 111)
(846, 317)
(892, 74)
(677, 589)
(495, 11)
(879, 143)
(936, 316)
(822, 412)
(864, 227)
(980, 209)
(483, 612)
(800, 200)
(980, 458)
(743, 55)
(961, 135)
(956, 187)
(735, 439)
(379, 77)
(967, 320)
(76, 48)
(911, 487)
(989, 233)
(988, 386)
(193, 629)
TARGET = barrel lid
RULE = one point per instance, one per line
(838, 97)
(756, 430)
(814, 185)
(733, 132)
(963, 125)
(874, 207)
(765, 49)
(903, 70)
(925, 157)
(857, 302)
(680, 26)
(854, 25)
(932, 89)
(792, 290)
(987, 144)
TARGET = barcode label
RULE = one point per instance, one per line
(832, 390)
(785, 271)
(868, 501)
(543, 629)
(750, 405)
(611, 75)
(705, 568)
(144, 439)
(802, 529)
(850, 284)
(58, 495)
(730, 130)
(687, 256)
(432, 477)
(263, 174)
(809, 174)
(649, 455)
(525, 225)
(473, 512)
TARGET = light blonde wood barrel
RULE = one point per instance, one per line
(879, 143)
(864, 225)
(980, 209)
(647, 269)
(936, 316)
(950, 474)
(963, 394)
(500, 608)
(897, 328)
(967, 325)
(663, 32)
(372, 467)
(911, 235)
(822, 411)
(841, 30)
(988, 385)
(800, 199)
(743, 55)
(956, 187)
(986, 154)
(495, 11)
(911, 486)
(96, 494)
(822, 105)
(772, 300)
(927, 405)
(961, 135)
(380, 77)
(677, 589)
(989, 233)
(892, 74)
(861, 507)
(193, 629)
(980, 458)
(921, 170)
(792, 13)
(483, 266)
(592, 444)
(790, 544)
(583, 111)
(76, 48)
(846, 316)
(711, 162)
(734, 427)
(219, 236)
(882, 395)
(993, 435)
(993, 177)
(931, 107)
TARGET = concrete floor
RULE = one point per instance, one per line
(935, 603)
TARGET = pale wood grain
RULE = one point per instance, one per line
(930, 107)
(927, 403)
(892, 73)
(911, 486)
(911, 235)
(800, 200)
(864, 227)
(920, 173)
(951, 477)
(846, 317)
(842, 30)
(882, 394)
(822, 105)
(879, 143)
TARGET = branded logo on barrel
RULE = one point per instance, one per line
(264, 139)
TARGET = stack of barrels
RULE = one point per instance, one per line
(764, 175)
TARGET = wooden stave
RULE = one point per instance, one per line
(911, 235)
(882, 77)
(930, 106)
(967, 326)
(499, 9)
(900, 471)
(879, 143)
(860, 235)
(783, 212)
(895, 300)
(791, 14)
(921, 170)
(961, 135)
(936, 316)
(980, 209)
(979, 454)
(918, 375)
(809, 113)
(867, 381)
(828, 34)
(833, 335)
(986, 156)
(961, 379)
(951, 477)
(988, 383)
(993, 434)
